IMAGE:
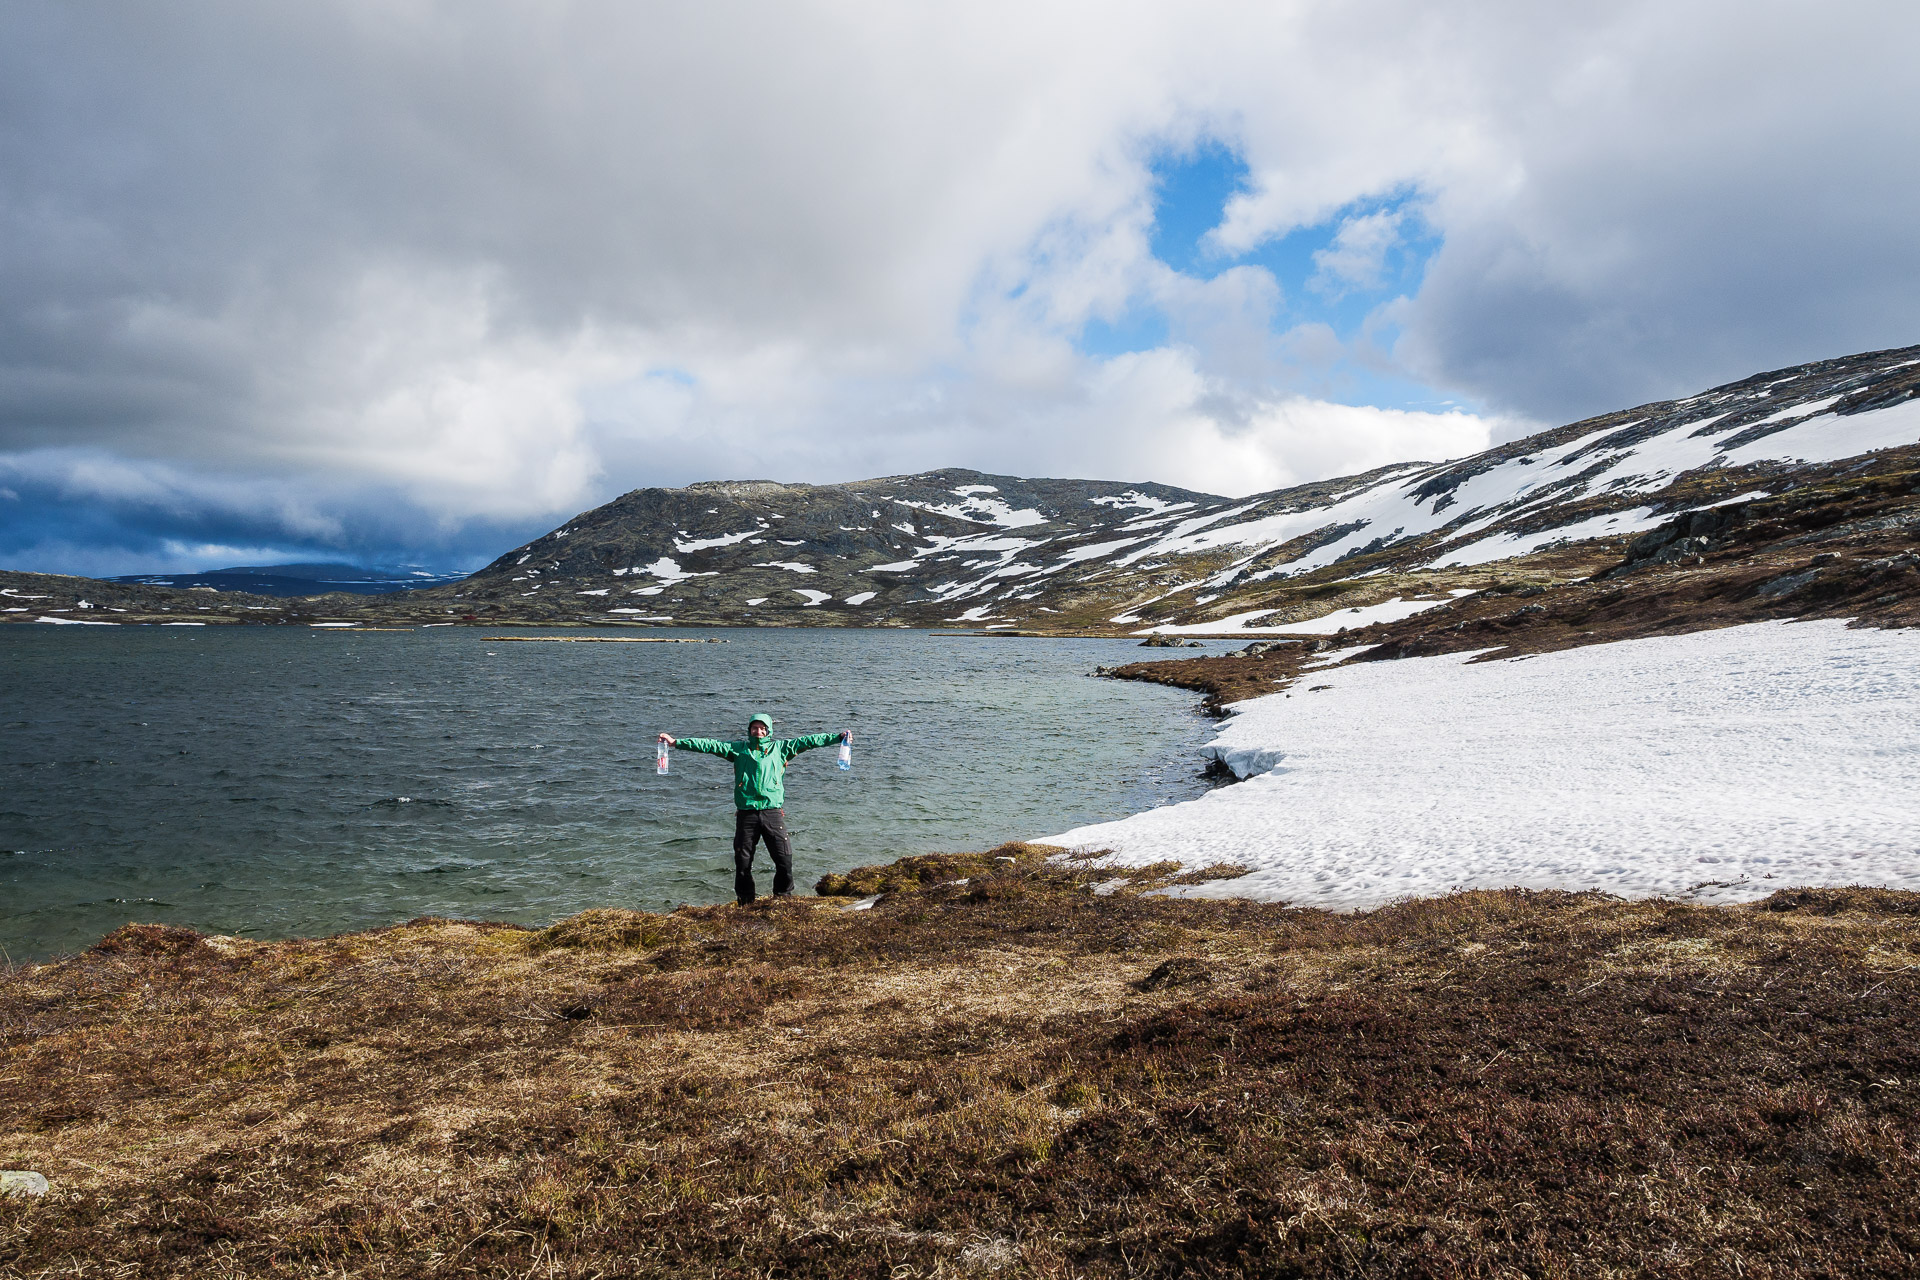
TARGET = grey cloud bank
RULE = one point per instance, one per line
(387, 279)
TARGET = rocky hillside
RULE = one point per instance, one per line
(904, 550)
(958, 547)
(950, 547)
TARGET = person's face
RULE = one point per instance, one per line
(756, 730)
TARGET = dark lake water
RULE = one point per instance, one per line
(280, 781)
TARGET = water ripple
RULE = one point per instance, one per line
(284, 783)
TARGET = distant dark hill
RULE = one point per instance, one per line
(297, 579)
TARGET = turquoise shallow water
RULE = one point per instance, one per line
(284, 782)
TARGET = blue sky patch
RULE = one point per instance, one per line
(1335, 273)
(1190, 191)
(1142, 328)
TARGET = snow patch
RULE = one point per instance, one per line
(978, 509)
(1334, 657)
(1716, 766)
(1133, 499)
(1505, 546)
(668, 570)
(1097, 551)
(1753, 496)
(724, 540)
(1360, 616)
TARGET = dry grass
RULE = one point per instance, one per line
(1010, 1075)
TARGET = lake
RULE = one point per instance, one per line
(283, 781)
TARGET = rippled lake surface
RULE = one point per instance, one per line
(279, 781)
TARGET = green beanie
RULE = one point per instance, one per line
(764, 719)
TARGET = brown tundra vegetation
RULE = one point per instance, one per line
(991, 1069)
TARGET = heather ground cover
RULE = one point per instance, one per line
(1003, 1064)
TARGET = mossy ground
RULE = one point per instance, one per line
(1014, 1074)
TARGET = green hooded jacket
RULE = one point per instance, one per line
(759, 768)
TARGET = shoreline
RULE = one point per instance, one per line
(1246, 752)
(421, 823)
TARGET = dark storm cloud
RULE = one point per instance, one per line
(1697, 196)
(87, 512)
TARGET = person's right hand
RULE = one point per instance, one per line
(667, 738)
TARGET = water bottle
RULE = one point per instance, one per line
(660, 759)
(846, 755)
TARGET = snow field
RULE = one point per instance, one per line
(1718, 766)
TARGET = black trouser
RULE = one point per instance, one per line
(748, 826)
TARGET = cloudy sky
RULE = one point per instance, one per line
(406, 281)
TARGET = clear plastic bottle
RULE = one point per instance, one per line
(846, 755)
(660, 759)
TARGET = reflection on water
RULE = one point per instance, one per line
(285, 781)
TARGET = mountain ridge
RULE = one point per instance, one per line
(962, 546)
(958, 546)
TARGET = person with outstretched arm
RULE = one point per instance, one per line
(759, 796)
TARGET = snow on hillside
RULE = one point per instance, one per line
(1327, 624)
(978, 508)
(956, 545)
(1457, 501)
(1720, 765)
(1611, 462)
